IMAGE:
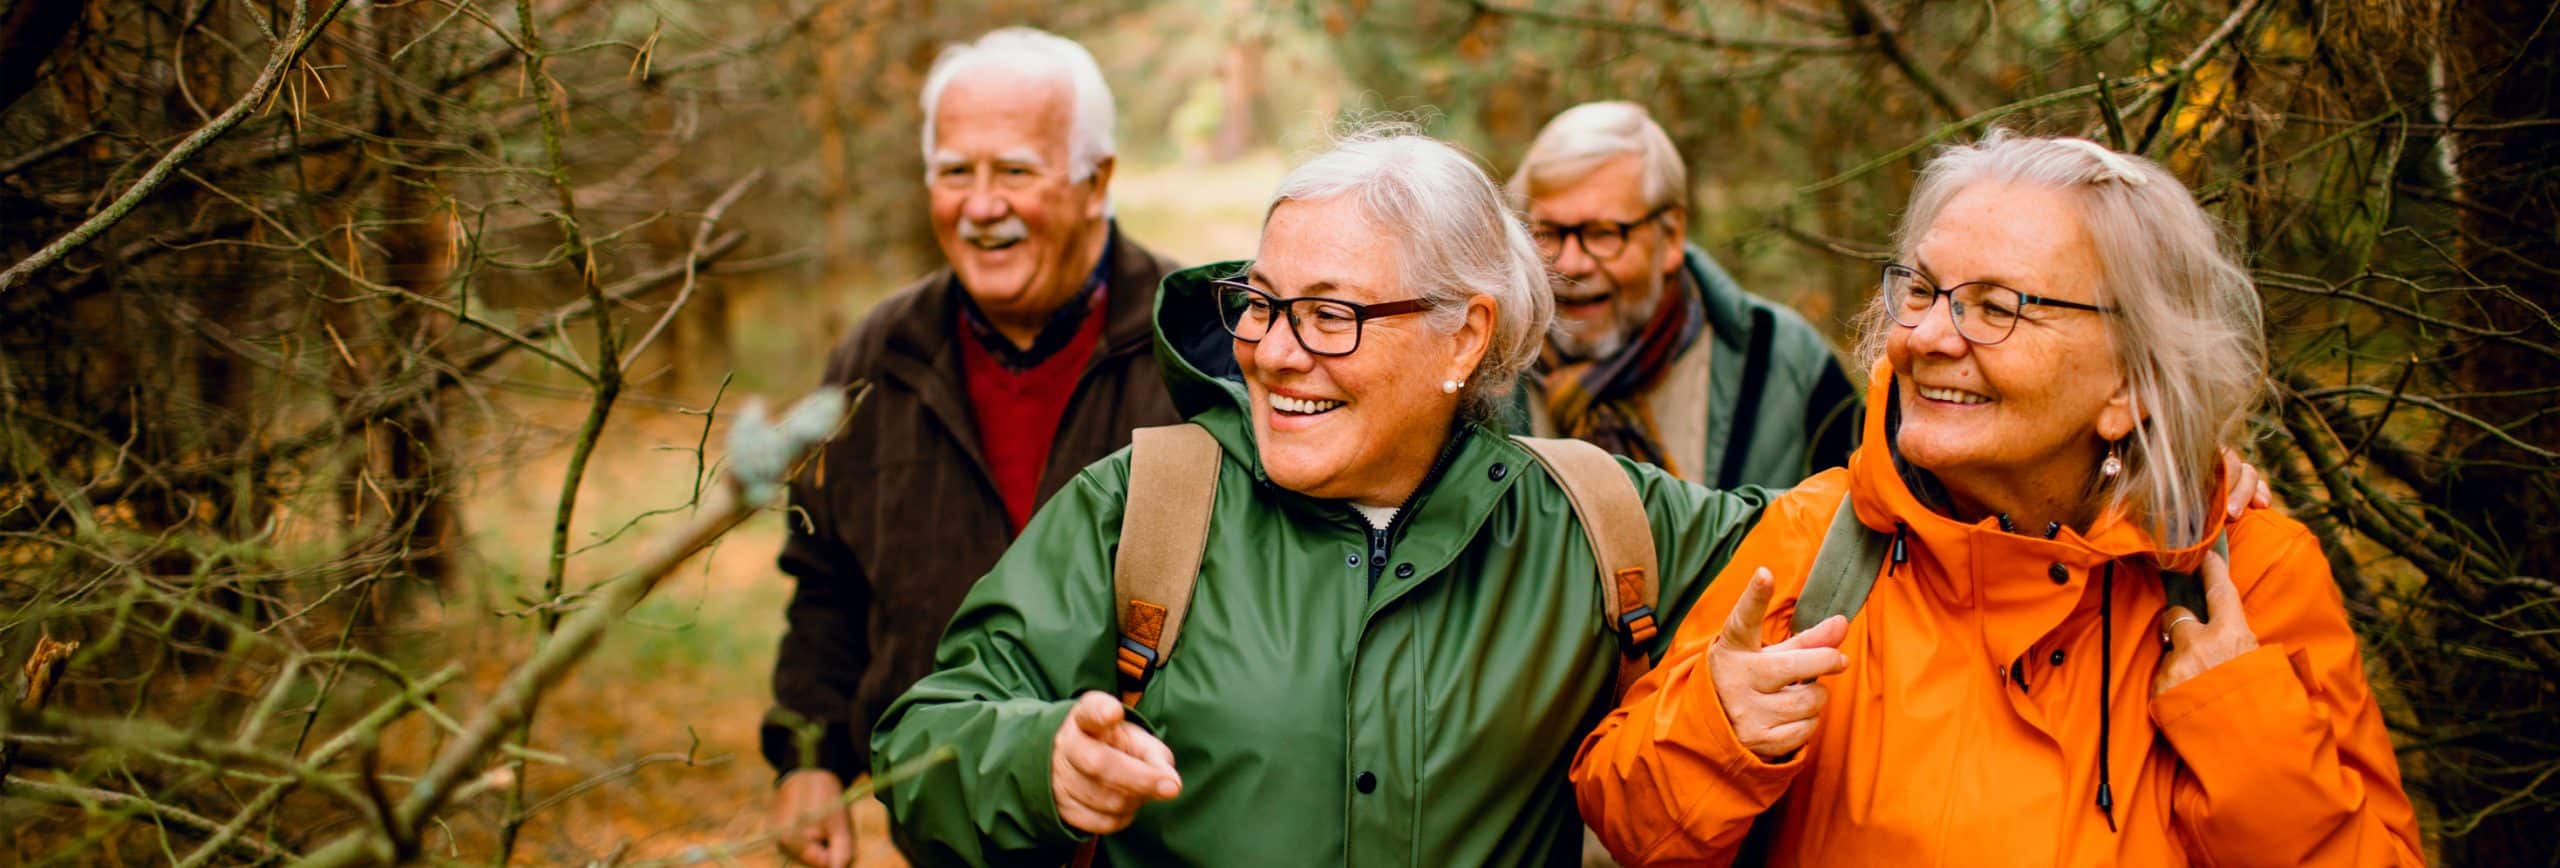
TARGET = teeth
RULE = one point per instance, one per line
(1286, 404)
(1952, 395)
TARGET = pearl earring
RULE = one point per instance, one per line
(2113, 465)
(1449, 387)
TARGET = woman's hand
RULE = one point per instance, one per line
(2248, 486)
(1769, 694)
(1102, 768)
(2195, 646)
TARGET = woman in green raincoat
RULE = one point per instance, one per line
(1395, 640)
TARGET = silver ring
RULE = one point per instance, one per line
(2173, 625)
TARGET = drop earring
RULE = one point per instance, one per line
(2113, 466)
(1450, 387)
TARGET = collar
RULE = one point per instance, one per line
(1727, 307)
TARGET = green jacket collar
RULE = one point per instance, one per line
(1728, 310)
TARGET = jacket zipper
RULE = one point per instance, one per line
(1380, 536)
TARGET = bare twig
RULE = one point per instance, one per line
(1699, 40)
(279, 63)
(692, 260)
(761, 457)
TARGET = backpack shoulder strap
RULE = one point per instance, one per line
(1173, 482)
(1621, 538)
(1845, 569)
(2187, 588)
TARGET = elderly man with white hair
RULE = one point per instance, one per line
(994, 380)
(1657, 354)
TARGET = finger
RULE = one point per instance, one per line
(2221, 594)
(2181, 626)
(1800, 702)
(1100, 798)
(1108, 767)
(1742, 628)
(839, 851)
(1096, 713)
(1075, 813)
(1786, 738)
(1772, 671)
(1146, 748)
(2243, 482)
(1823, 635)
(2266, 498)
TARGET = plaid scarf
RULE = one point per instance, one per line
(1600, 400)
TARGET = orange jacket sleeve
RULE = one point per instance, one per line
(1664, 780)
(2286, 760)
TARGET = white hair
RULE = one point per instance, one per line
(1034, 55)
(2187, 330)
(1580, 138)
(1456, 240)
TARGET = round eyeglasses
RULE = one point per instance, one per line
(1602, 239)
(1984, 313)
(1324, 326)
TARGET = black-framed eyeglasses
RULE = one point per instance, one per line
(1984, 313)
(1324, 326)
(1602, 239)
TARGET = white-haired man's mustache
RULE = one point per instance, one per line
(1001, 233)
(1569, 289)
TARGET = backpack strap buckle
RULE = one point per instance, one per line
(1137, 663)
(1637, 627)
(1635, 621)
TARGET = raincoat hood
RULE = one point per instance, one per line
(1197, 357)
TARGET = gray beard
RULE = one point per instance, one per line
(1625, 321)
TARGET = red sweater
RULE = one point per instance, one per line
(1018, 411)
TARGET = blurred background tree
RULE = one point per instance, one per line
(345, 347)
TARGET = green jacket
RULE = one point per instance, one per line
(1773, 385)
(1340, 695)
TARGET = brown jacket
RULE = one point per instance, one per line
(901, 516)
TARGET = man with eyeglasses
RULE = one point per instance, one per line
(1657, 355)
(993, 382)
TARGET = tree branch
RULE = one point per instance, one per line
(279, 64)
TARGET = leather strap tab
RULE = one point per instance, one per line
(1164, 526)
(1621, 538)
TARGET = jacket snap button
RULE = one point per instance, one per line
(1404, 571)
(1366, 783)
(2060, 573)
(1497, 472)
(1352, 559)
(2057, 657)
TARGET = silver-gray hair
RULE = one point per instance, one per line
(1457, 239)
(1035, 55)
(1580, 138)
(2187, 330)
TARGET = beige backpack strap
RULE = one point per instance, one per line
(1621, 537)
(1164, 526)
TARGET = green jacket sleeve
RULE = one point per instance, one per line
(1695, 530)
(1033, 634)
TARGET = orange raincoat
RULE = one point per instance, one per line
(1967, 729)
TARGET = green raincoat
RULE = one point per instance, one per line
(1340, 695)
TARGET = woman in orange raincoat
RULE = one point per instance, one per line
(2056, 356)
